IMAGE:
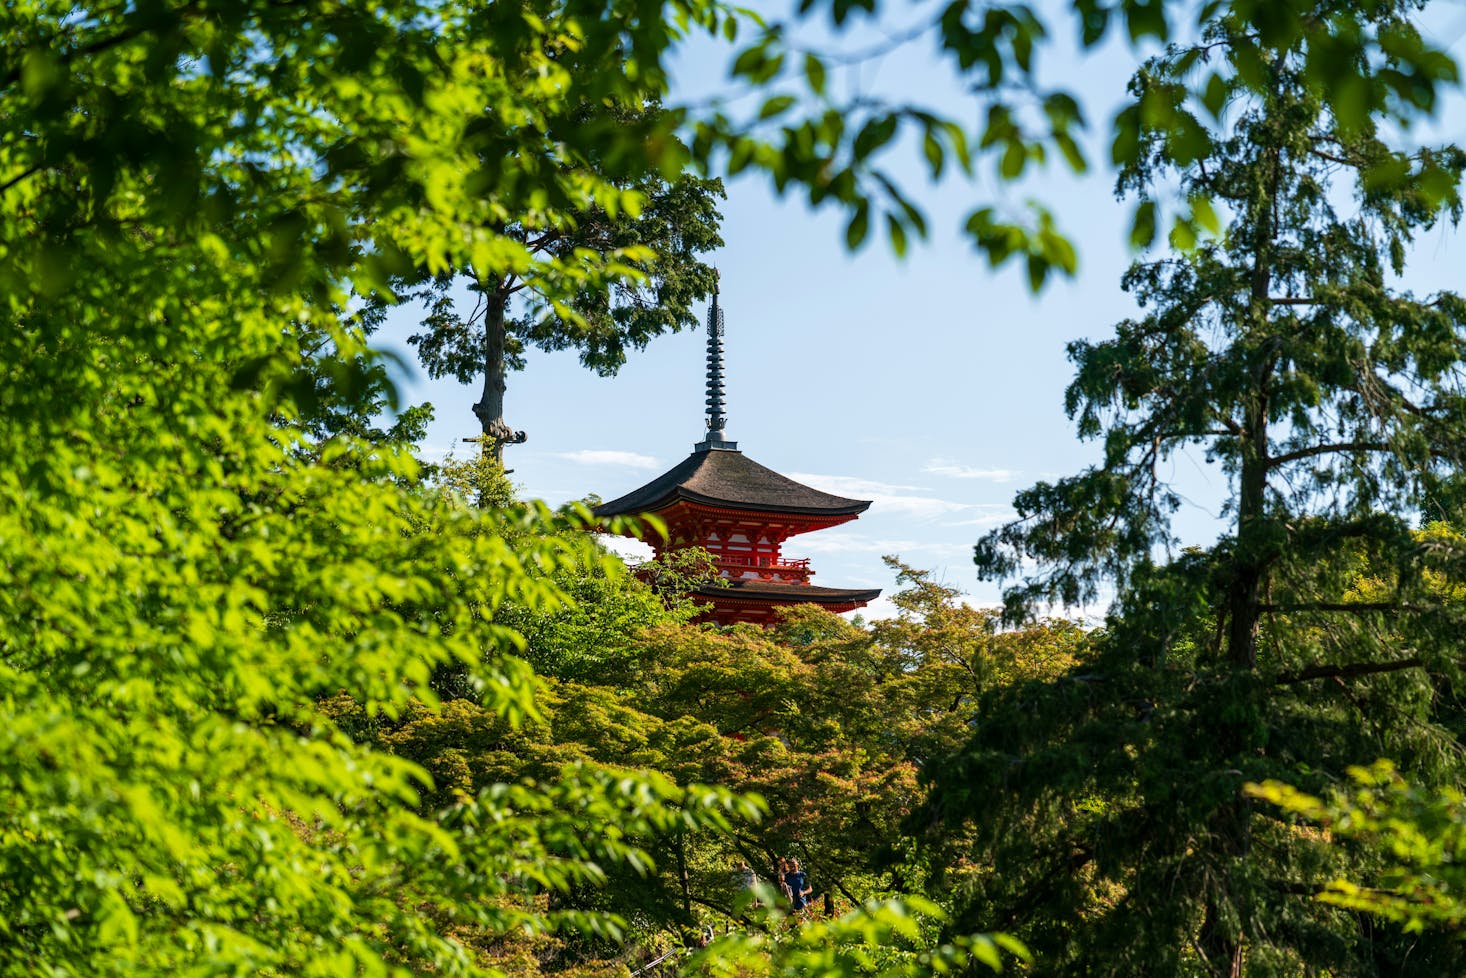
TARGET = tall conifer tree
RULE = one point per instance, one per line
(1314, 634)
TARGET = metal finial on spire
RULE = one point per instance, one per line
(716, 420)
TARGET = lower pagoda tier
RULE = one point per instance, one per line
(742, 513)
(759, 601)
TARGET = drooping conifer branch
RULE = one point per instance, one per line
(1349, 671)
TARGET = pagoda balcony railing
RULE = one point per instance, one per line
(767, 568)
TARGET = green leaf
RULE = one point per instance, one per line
(777, 105)
(117, 924)
(1038, 272)
(1145, 18)
(748, 61)
(1073, 155)
(1059, 252)
(898, 235)
(814, 73)
(1188, 140)
(957, 140)
(1143, 225)
(987, 954)
(1350, 100)
(1094, 19)
(1012, 162)
(935, 158)
(858, 227)
(1214, 96)
(1183, 235)
(873, 135)
(1205, 215)
(40, 71)
(1126, 146)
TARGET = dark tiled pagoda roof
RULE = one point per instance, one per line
(763, 591)
(731, 480)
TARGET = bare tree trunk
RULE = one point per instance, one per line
(683, 876)
(1221, 938)
(1222, 952)
(490, 406)
(1244, 597)
(1251, 556)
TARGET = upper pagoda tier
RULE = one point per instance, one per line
(741, 513)
(725, 478)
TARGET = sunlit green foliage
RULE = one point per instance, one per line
(827, 722)
(202, 540)
(188, 563)
(1419, 833)
(817, 127)
(888, 938)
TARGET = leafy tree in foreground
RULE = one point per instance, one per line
(1420, 833)
(833, 141)
(1307, 639)
(192, 557)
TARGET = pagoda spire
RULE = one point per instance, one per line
(716, 420)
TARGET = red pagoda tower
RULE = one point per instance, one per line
(741, 512)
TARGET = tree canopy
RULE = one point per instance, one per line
(201, 541)
(652, 274)
(205, 545)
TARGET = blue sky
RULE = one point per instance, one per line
(932, 385)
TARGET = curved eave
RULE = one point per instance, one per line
(829, 515)
(728, 479)
(681, 512)
(769, 593)
(853, 507)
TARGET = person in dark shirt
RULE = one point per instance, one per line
(798, 884)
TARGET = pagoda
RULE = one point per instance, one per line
(741, 512)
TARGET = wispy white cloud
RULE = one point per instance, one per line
(881, 607)
(885, 497)
(951, 469)
(847, 543)
(857, 544)
(606, 456)
(885, 607)
(431, 452)
(956, 551)
(988, 514)
(852, 485)
(1091, 615)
